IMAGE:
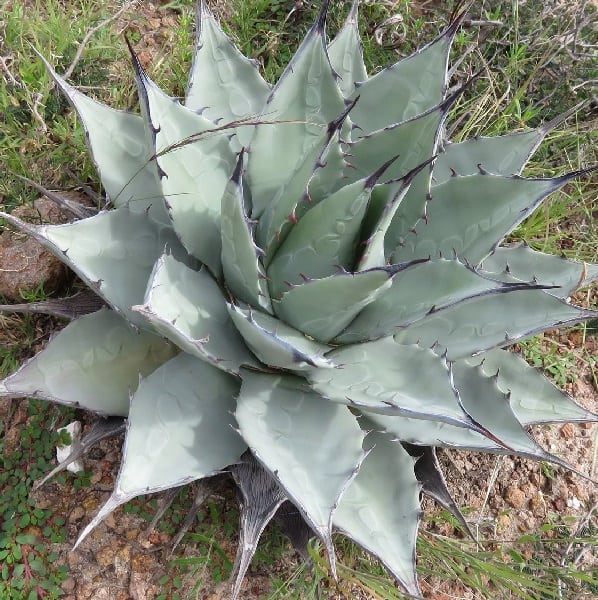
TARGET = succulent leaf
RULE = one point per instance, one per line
(489, 406)
(277, 344)
(469, 215)
(492, 321)
(304, 101)
(412, 85)
(420, 290)
(325, 238)
(501, 155)
(384, 377)
(345, 53)
(119, 147)
(533, 398)
(520, 262)
(275, 407)
(224, 85)
(193, 160)
(243, 272)
(113, 252)
(179, 430)
(322, 308)
(94, 362)
(186, 306)
(382, 499)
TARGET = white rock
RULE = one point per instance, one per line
(573, 502)
(62, 452)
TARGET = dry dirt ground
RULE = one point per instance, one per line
(507, 497)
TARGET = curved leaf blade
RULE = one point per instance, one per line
(501, 155)
(290, 430)
(241, 265)
(188, 308)
(194, 162)
(381, 510)
(113, 252)
(384, 377)
(325, 238)
(303, 102)
(223, 84)
(492, 321)
(419, 291)
(179, 430)
(533, 397)
(94, 362)
(118, 143)
(406, 89)
(470, 215)
(345, 53)
(322, 308)
(275, 343)
(522, 263)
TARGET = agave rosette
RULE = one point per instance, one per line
(304, 285)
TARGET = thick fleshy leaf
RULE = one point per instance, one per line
(533, 397)
(304, 101)
(381, 511)
(188, 308)
(492, 321)
(407, 88)
(94, 362)
(294, 195)
(494, 428)
(179, 430)
(113, 252)
(383, 208)
(413, 141)
(435, 433)
(502, 155)
(384, 377)
(325, 238)
(346, 55)
(223, 84)
(276, 344)
(322, 308)
(194, 162)
(419, 291)
(327, 176)
(470, 215)
(119, 146)
(241, 264)
(102, 429)
(290, 430)
(520, 262)
(490, 407)
(261, 498)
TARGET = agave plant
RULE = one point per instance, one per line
(305, 286)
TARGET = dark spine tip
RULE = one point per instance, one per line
(353, 16)
(371, 181)
(320, 24)
(335, 125)
(237, 175)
